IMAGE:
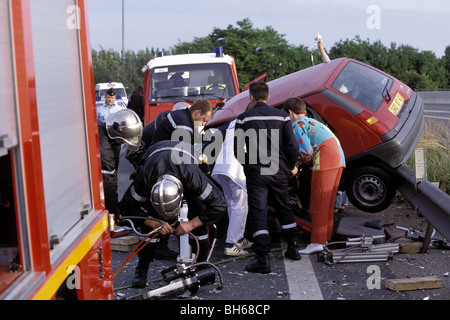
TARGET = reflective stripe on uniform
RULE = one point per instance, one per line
(176, 126)
(173, 149)
(204, 237)
(260, 232)
(206, 192)
(109, 172)
(136, 196)
(289, 226)
(263, 118)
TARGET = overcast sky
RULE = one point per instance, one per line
(161, 24)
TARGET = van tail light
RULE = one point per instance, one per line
(374, 123)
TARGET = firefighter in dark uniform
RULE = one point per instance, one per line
(266, 147)
(167, 162)
(135, 157)
(181, 124)
(121, 127)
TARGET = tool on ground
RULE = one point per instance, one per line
(361, 249)
(417, 235)
(187, 274)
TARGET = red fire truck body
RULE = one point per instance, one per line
(54, 230)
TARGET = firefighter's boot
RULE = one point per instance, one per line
(261, 265)
(292, 251)
(140, 274)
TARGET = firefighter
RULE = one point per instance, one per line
(121, 127)
(171, 169)
(266, 147)
(109, 106)
(135, 158)
(149, 131)
(184, 124)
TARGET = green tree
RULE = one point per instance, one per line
(256, 51)
(446, 64)
(419, 70)
(416, 80)
(109, 66)
(351, 48)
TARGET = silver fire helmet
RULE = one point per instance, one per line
(167, 196)
(126, 125)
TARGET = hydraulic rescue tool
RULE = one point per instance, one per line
(359, 249)
(187, 274)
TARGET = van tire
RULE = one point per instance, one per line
(371, 189)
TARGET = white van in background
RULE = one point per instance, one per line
(102, 88)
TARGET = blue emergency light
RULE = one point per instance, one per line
(218, 51)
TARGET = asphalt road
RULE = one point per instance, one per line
(307, 279)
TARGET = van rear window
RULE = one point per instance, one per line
(363, 84)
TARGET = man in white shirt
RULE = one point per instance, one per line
(110, 106)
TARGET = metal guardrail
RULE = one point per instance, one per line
(432, 202)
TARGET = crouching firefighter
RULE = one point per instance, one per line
(170, 174)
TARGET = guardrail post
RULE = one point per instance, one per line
(421, 175)
(421, 165)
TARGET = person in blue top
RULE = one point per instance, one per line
(318, 143)
(110, 106)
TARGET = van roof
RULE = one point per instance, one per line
(298, 84)
(192, 58)
(105, 85)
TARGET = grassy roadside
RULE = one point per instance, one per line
(435, 140)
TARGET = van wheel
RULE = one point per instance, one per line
(371, 189)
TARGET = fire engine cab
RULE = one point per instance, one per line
(54, 230)
(187, 78)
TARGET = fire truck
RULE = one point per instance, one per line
(187, 78)
(54, 230)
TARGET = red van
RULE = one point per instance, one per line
(377, 118)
